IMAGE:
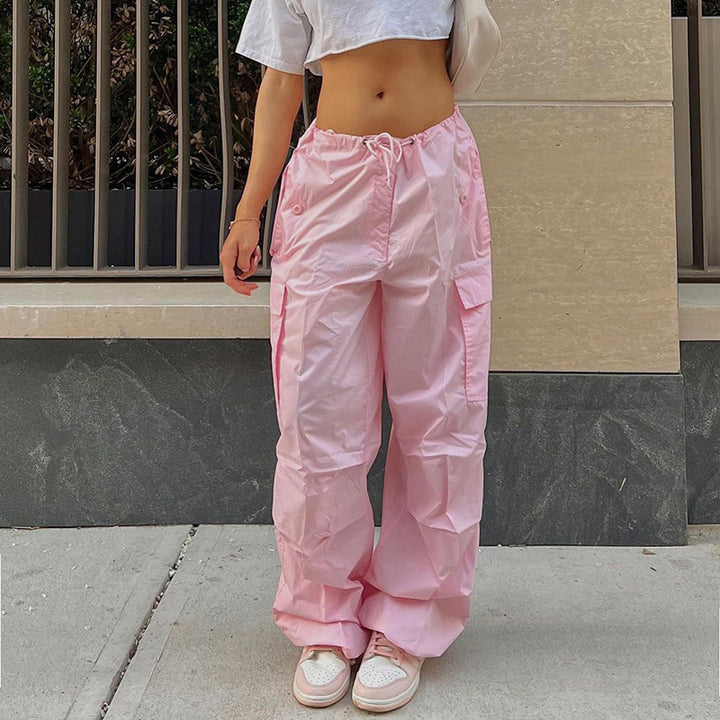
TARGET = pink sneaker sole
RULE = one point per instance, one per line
(321, 700)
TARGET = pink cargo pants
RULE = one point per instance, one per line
(380, 269)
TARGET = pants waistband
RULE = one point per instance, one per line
(382, 145)
(353, 141)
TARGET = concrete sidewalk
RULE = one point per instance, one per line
(174, 622)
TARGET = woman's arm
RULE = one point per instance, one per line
(278, 102)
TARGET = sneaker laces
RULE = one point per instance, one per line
(380, 645)
(334, 648)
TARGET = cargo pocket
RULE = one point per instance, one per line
(473, 284)
(473, 204)
(278, 295)
(277, 226)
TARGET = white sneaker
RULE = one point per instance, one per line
(322, 675)
(387, 678)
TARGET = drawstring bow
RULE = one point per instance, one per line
(393, 151)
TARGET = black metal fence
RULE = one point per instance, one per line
(163, 221)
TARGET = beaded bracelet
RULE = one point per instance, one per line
(232, 222)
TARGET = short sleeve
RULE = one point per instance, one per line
(275, 35)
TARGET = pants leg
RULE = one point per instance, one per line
(436, 346)
(327, 365)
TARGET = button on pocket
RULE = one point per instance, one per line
(277, 227)
(286, 203)
(473, 284)
(472, 207)
(278, 300)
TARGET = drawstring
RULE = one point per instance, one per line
(394, 143)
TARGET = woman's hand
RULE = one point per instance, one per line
(278, 101)
(240, 256)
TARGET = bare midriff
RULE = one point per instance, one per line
(397, 86)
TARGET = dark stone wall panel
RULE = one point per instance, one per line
(132, 431)
(580, 458)
(700, 366)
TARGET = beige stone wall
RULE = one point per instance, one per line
(575, 132)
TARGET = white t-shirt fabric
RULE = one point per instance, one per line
(291, 35)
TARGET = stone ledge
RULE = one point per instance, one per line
(132, 309)
(699, 311)
(194, 309)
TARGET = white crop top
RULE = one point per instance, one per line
(292, 35)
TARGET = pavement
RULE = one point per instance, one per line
(173, 622)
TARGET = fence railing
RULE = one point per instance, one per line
(696, 57)
(22, 202)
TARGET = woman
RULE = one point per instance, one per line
(380, 271)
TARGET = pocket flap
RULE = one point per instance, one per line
(277, 296)
(473, 281)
